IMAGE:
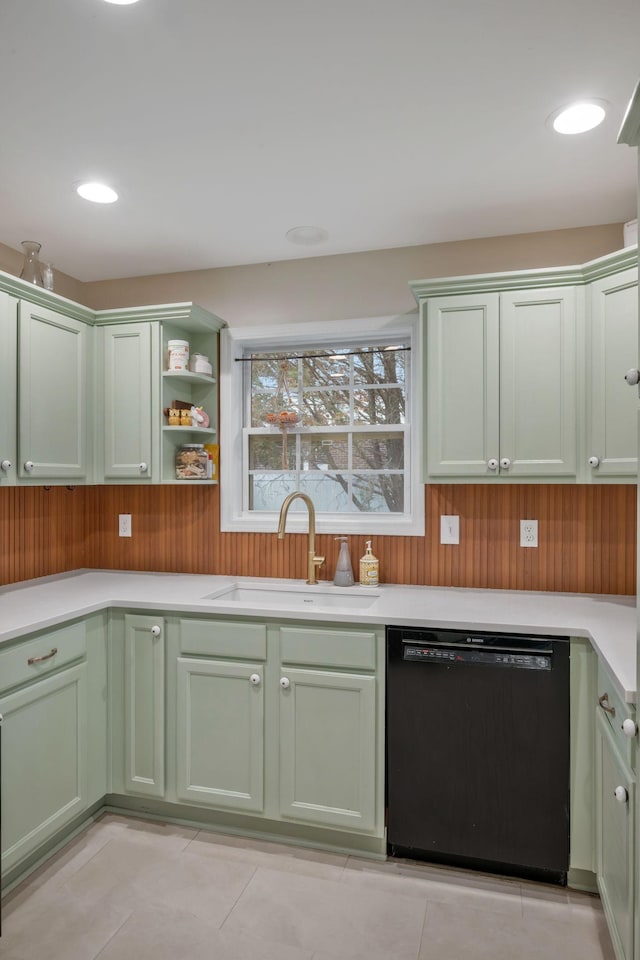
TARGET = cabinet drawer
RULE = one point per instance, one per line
(35, 658)
(222, 638)
(613, 708)
(328, 647)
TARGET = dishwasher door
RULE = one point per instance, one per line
(478, 750)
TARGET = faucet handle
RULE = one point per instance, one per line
(318, 561)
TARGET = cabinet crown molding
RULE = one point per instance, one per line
(188, 316)
(577, 275)
(630, 129)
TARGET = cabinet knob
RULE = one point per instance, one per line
(492, 464)
(156, 630)
(632, 376)
(621, 794)
(594, 461)
(629, 727)
(29, 465)
(505, 463)
(255, 679)
(5, 465)
(285, 683)
(143, 467)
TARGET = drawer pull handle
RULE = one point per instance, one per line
(621, 794)
(629, 727)
(47, 656)
(255, 679)
(285, 683)
(156, 630)
(603, 701)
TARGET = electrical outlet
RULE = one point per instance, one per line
(528, 533)
(449, 529)
(124, 525)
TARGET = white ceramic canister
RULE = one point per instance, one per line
(178, 354)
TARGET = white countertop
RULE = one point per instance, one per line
(608, 621)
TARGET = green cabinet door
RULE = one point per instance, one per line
(611, 428)
(52, 395)
(124, 353)
(8, 388)
(328, 748)
(615, 840)
(538, 426)
(220, 733)
(44, 761)
(462, 373)
(144, 700)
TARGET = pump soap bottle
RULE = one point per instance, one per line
(369, 568)
(344, 573)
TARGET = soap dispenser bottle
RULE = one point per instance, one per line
(369, 568)
(344, 573)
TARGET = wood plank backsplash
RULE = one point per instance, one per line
(587, 537)
(42, 531)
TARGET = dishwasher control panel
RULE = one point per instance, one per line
(489, 658)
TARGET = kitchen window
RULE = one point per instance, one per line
(326, 410)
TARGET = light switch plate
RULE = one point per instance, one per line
(449, 529)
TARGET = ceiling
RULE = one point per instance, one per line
(224, 123)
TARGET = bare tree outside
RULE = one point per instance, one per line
(347, 448)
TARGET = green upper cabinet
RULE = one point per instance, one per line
(538, 426)
(44, 392)
(84, 392)
(611, 447)
(135, 388)
(52, 395)
(524, 373)
(462, 376)
(501, 384)
(8, 388)
(125, 361)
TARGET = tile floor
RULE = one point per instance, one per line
(129, 889)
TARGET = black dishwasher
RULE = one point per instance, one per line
(478, 750)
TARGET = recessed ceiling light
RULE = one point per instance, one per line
(579, 117)
(307, 236)
(97, 192)
(122, 2)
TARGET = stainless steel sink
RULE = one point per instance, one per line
(300, 598)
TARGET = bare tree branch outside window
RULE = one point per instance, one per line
(348, 449)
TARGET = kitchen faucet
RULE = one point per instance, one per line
(313, 562)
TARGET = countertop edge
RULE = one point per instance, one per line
(69, 596)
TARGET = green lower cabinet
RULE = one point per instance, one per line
(144, 704)
(615, 840)
(44, 760)
(220, 733)
(279, 722)
(328, 748)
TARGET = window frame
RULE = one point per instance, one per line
(234, 342)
